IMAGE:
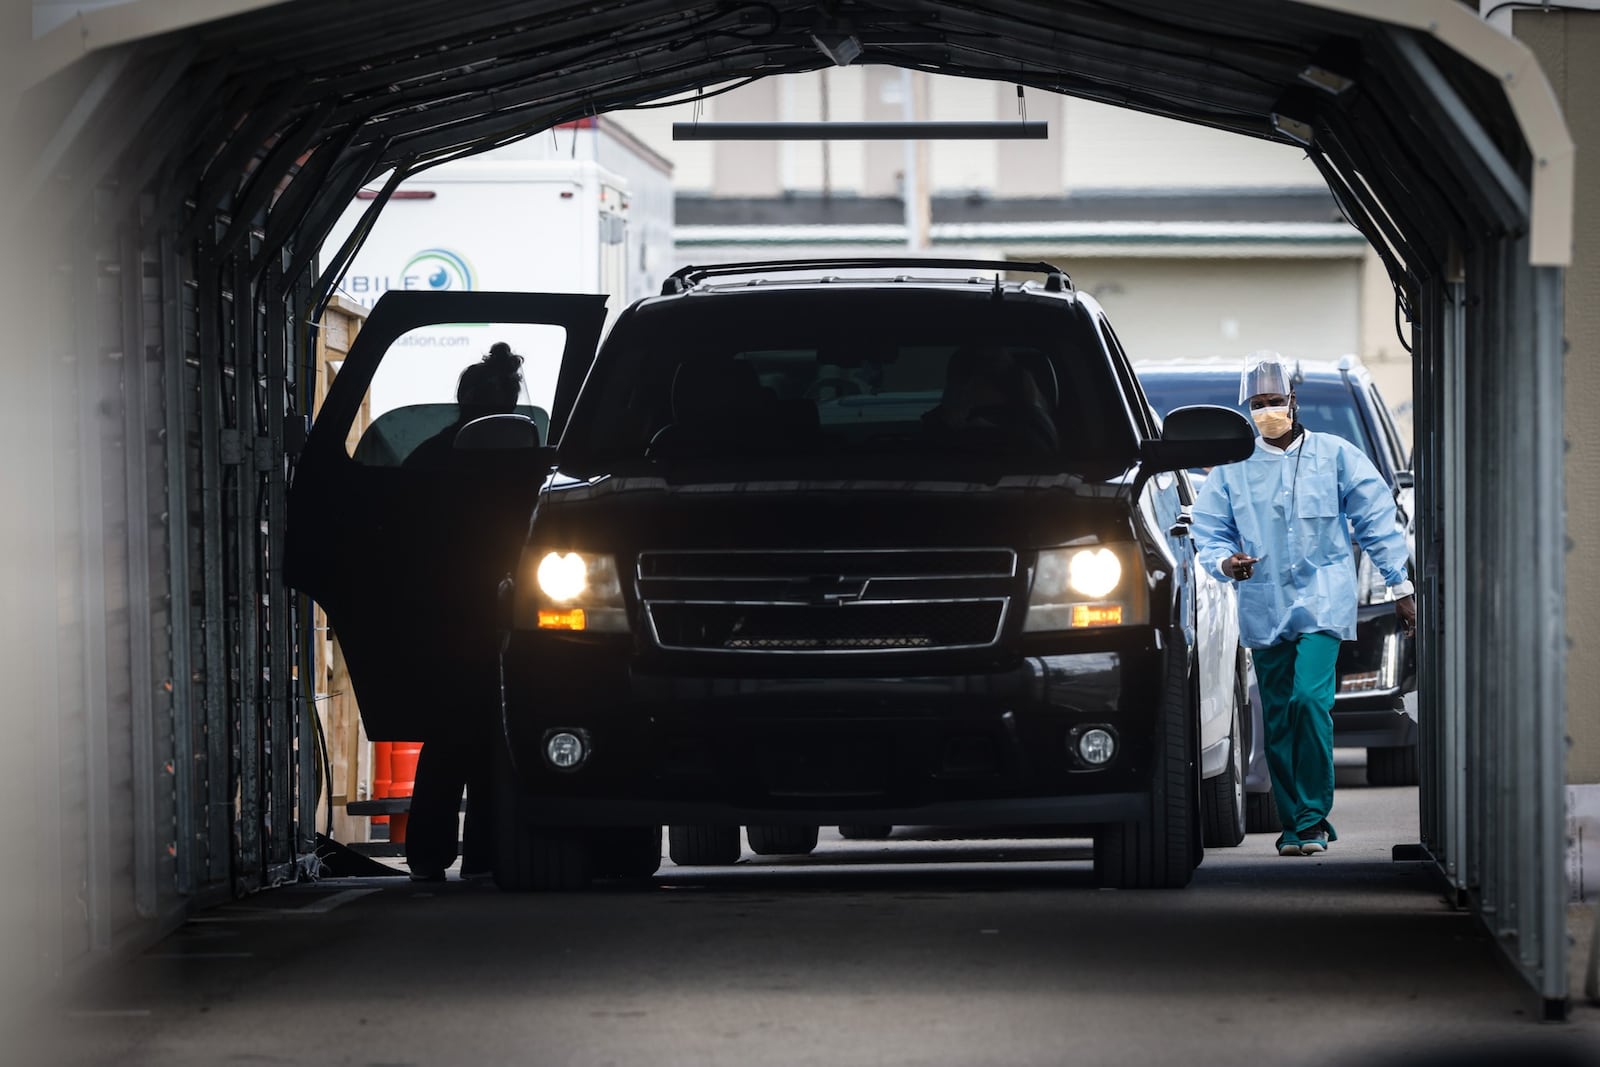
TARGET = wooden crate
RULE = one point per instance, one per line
(349, 751)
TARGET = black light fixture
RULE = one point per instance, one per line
(842, 49)
(1297, 130)
(860, 131)
(1330, 82)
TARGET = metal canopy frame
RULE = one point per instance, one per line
(212, 161)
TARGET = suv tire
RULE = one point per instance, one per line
(530, 858)
(782, 840)
(703, 846)
(1159, 852)
(1261, 813)
(1392, 765)
(626, 851)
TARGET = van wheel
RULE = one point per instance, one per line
(1222, 798)
(703, 846)
(865, 833)
(782, 840)
(1159, 853)
(626, 851)
(1261, 813)
(1392, 765)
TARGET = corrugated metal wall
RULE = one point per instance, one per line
(1492, 527)
(153, 748)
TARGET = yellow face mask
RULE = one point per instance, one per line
(1273, 422)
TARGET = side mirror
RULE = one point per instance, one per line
(498, 433)
(1203, 435)
(1405, 479)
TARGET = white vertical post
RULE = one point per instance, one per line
(910, 191)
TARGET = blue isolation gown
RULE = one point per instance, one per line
(1295, 510)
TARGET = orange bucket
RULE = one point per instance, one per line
(403, 757)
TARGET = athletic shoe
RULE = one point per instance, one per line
(427, 876)
(1313, 842)
(1290, 848)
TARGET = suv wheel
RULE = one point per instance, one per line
(529, 857)
(1159, 853)
(626, 851)
(703, 846)
(1392, 765)
(782, 840)
(1261, 813)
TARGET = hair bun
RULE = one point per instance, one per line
(502, 359)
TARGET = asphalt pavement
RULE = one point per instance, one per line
(929, 948)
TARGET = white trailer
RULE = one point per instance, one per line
(535, 216)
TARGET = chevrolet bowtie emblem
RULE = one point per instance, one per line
(825, 589)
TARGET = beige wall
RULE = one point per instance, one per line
(747, 168)
(1031, 168)
(1204, 308)
(692, 161)
(961, 166)
(882, 161)
(1566, 45)
(1114, 148)
(1091, 146)
(815, 165)
(1380, 348)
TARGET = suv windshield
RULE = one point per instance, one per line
(851, 374)
(1325, 406)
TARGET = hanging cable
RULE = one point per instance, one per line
(1398, 332)
(700, 95)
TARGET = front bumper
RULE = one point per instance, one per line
(692, 741)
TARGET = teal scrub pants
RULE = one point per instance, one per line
(1297, 683)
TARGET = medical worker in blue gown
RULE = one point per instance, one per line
(1280, 523)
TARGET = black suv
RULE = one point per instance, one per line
(838, 543)
(1375, 707)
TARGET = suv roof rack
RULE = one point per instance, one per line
(1056, 280)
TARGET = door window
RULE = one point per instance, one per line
(435, 379)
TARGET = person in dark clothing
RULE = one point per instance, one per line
(489, 387)
(446, 767)
(987, 392)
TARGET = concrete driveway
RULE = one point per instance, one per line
(926, 949)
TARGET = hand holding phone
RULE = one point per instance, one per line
(1240, 566)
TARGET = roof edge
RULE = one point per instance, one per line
(107, 27)
(1528, 92)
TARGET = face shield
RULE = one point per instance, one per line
(1265, 372)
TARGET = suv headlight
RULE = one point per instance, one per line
(565, 590)
(1078, 588)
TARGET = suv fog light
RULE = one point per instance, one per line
(565, 749)
(1096, 746)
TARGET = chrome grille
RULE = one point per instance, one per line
(845, 601)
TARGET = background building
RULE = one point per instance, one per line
(1199, 243)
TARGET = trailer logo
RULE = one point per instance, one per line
(439, 270)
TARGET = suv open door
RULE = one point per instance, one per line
(406, 558)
